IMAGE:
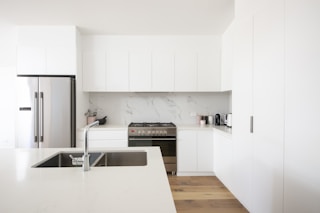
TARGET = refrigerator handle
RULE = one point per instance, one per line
(36, 113)
(41, 116)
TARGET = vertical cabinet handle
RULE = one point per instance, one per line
(35, 114)
(251, 124)
(41, 116)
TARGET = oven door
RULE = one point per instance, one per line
(167, 145)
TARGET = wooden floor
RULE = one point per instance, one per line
(202, 195)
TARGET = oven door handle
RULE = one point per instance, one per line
(152, 139)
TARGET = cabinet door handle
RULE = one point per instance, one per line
(36, 119)
(251, 124)
(41, 116)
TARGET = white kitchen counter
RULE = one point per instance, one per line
(102, 189)
(222, 129)
(106, 127)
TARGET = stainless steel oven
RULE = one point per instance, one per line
(163, 135)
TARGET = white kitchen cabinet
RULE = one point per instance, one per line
(223, 159)
(208, 70)
(205, 151)
(105, 138)
(140, 70)
(162, 71)
(117, 72)
(195, 152)
(259, 91)
(31, 60)
(94, 71)
(302, 104)
(268, 104)
(153, 63)
(46, 50)
(227, 62)
(187, 151)
(242, 110)
(185, 71)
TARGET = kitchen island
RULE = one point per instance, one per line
(102, 189)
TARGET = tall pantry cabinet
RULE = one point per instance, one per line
(302, 110)
(258, 98)
(276, 80)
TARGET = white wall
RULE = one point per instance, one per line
(7, 79)
(123, 108)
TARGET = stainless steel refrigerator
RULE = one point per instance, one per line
(46, 111)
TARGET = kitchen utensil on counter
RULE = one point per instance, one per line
(102, 120)
(217, 120)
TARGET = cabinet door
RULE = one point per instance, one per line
(185, 71)
(242, 110)
(140, 70)
(209, 72)
(302, 144)
(223, 159)
(94, 71)
(227, 58)
(268, 106)
(187, 151)
(31, 60)
(117, 70)
(205, 151)
(61, 61)
(162, 71)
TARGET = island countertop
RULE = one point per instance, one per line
(102, 189)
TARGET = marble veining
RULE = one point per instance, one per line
(180, 108)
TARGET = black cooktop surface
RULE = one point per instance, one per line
(155, 124)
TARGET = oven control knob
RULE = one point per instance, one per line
(165, 132)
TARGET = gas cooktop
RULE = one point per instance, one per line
(155, 124)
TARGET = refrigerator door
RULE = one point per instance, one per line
(27, 115)
(55, 112)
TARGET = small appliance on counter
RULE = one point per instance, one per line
(228, 120)
(217, 120)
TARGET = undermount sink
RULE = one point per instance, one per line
(99, 159)
(63, 159)
(123, 159)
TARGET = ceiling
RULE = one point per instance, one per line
(172, 17)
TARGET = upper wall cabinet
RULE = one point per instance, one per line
(153, 63)
(46, 50)
(227, 54)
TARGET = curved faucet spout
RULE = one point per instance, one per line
(86, 164)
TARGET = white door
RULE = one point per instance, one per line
(162, 71)
(302, 135)
(187, 151)
(140, 70)
(268, 106)
(242, 110)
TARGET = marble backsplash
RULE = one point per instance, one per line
(179, 108)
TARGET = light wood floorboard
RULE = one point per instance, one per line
(202, 195)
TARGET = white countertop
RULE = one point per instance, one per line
(223, 129)
(102, 189)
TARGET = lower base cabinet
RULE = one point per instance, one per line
(104, 138)
(195, 152)
(223, 159)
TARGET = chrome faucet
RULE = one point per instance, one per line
(85, 157)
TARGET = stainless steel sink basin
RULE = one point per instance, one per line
(138, 158)
(63, 159)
